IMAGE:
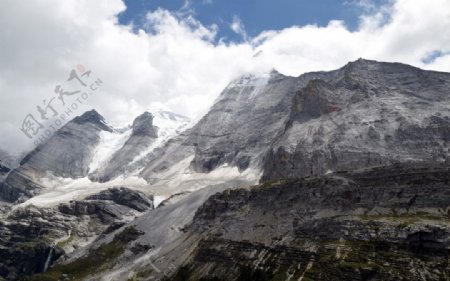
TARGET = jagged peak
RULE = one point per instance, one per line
(89, 116)
(144, 116)
(249, 79)
(143, 125)
(362, 63)
(254, 81)
(93, 117)
(172, 116)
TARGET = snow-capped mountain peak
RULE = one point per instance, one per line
(169, 123)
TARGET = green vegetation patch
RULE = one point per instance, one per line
(96, 261)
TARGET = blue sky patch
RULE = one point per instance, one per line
(432, 56)
(255, 15)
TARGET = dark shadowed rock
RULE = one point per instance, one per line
(346, 226)
(126, 197)
(143, 126)
(26, 233)
(18, 187)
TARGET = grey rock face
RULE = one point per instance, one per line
(240, 127)
(7, 163)
(18, 187)
(142, 126)
(25, 232)
(341, 224)
(365, 114)
(8, 160)
(4, 170)
(109, 205)
(67, 153)
(369, 114)
(126, 197)
(143, 134)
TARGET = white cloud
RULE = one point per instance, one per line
(175, 62)
(238, 27)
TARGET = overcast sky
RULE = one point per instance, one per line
(180, 56)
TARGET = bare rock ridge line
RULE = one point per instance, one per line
(142, 135)
(364, 114)
(67, 153)
(70, 151)
(371, 114)
(336, 175)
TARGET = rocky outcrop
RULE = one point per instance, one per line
(380, 224)
(370, 224)
(25, 241)
(142, 136)
(125, 197)
(18, 187)
(109, 205)
(364, 114)
(95, 260)
(369, 114)
(3, 171)
(239, 128)
(356, 185)
(25, 258)
(28, 234)
(68, 153)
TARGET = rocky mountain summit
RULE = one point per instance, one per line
(67, 153)
(339, 175)
(364, 114)
(71, 153)
(369, 114)
(142, 135)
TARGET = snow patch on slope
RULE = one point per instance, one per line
(175, 179)
(178, 178)
(181, 178)
(169, 125)
(258, 85)
(109, 143)
(60, 190)
(254, 82)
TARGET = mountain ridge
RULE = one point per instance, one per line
(312, 169)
